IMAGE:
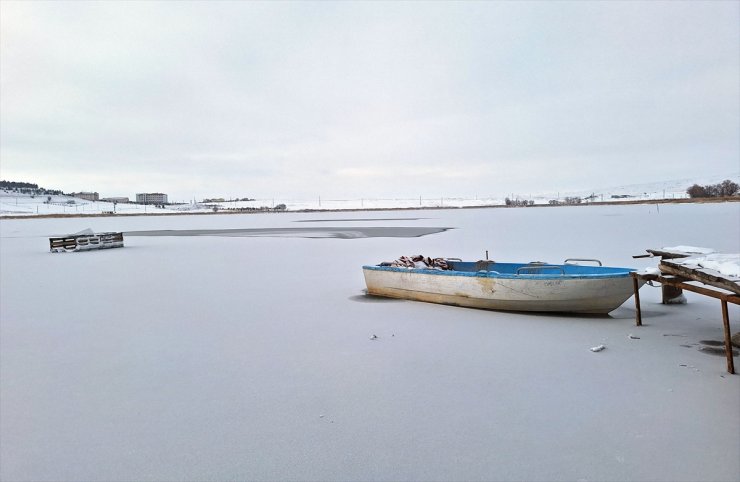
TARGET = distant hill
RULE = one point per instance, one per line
(27, 188)
(675, 188)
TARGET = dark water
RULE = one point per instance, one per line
(316, 232)
(356, 219)
(715, 347)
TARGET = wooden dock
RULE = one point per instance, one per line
(683, 274)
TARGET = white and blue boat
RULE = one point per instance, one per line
(535, 286)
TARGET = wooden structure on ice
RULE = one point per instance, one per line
(683, 274)
(85, 242)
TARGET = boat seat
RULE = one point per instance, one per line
(484, 265)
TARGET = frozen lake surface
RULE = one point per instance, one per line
(227, 356)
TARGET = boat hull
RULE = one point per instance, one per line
(594, 295)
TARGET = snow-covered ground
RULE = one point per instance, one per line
(253, 357)
(13, 204)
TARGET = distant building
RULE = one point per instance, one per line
(115, 199)
(89, 196)
(151, 198)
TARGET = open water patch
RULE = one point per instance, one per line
(716, 350)
(715, 347)
(313, 232)
(712, 342)
(356, 219)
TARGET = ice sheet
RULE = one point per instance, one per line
(253, 358)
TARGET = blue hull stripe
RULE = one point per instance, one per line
(508, 271)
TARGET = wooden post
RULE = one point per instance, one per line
(638, 317)
(728, 341)
(670, 293)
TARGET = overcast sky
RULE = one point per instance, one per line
(367, 99)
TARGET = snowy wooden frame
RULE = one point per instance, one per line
(683, 282)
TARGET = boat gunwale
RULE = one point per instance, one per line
(492, 274)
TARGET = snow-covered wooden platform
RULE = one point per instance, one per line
(683, 268)
(706, 269)
(85, 242)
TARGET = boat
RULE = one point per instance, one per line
(535, 286)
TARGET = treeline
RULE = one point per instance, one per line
(723, 189)
(278, 207)
(568, 200)
(518, 202)
(17, 185)
(222, 200)
(554, 202)
(28, 188)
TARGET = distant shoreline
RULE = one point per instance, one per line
(432, 208)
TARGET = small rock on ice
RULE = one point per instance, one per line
(374, 337)
(633, 337)
(598, 348)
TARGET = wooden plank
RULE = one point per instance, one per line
(701, 275)
(728, 342)
(62, 242)
(636, 287)
(667, 254)
(711, 292)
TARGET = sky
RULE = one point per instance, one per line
(347, 100)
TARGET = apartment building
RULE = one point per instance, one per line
(89, 196)
(151, 198)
